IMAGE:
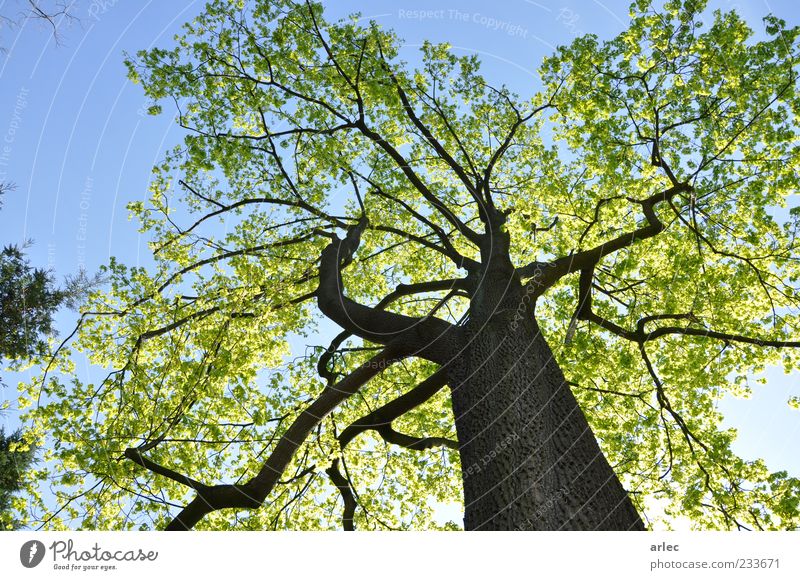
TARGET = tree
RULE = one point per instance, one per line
(16, 457)
(50, 13)
(29, 300)
(628, 214)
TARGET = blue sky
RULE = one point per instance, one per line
(75, 139)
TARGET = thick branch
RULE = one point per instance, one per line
(665, 330)
(390, 435)
(583, 310)
(550, 272)
(427, 336)
(400, 291)
(641, 335)
(253, 493)
(136, 456)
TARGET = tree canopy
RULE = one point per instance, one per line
(644, 193)
(16, 457)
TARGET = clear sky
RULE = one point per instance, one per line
(75, 139)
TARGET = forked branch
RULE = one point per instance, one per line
(252, 494)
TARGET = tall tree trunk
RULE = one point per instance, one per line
(529, 459)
